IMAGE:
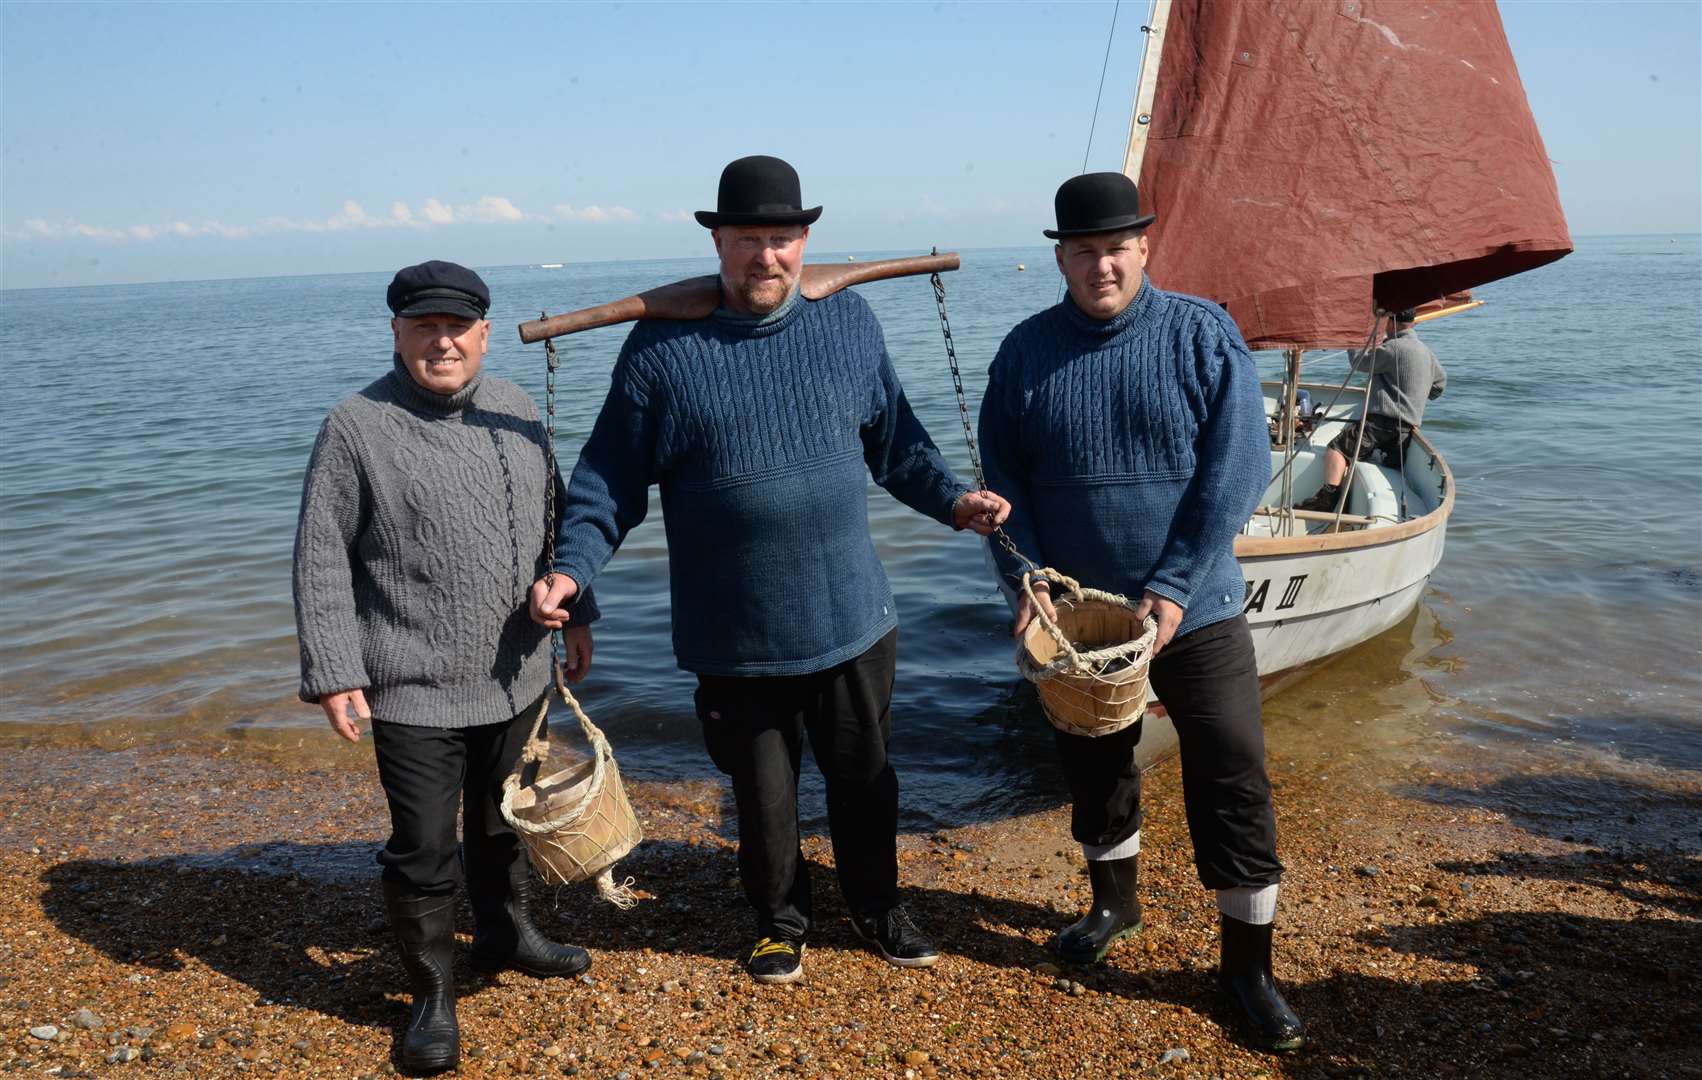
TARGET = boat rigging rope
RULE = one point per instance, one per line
(1093, 123)
(1103, 67)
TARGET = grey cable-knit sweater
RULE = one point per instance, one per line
(1404, 375)
(421, 530)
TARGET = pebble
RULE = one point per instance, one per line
(914, 1058)
(85, 1020)
(123, 1055)
(670, 986)
(1367, 871)
(716, 1049)
(694, 1058)
(1175, 1053)
(44, 1031)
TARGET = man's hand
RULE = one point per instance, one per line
(576, 658)
(980, 512)
(336, 708)
(1025, 610)
(550, 596)
(1166, 611)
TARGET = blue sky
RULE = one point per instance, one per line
(165, 141)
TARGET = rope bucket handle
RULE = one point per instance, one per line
(538, 750)
(1071, 659)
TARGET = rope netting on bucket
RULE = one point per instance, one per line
(1089, 665)
(576, 822)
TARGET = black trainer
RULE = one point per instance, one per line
(897, 938)
(776, 960)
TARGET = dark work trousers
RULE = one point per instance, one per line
(754, 728)
(1208, 681)
(427, 773)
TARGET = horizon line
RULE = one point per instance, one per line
(597, 262)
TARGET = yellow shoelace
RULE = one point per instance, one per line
(769, 946)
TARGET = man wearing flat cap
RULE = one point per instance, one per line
(762, 424)
(421, 530)
(1127, 428)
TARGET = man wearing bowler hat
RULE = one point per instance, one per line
(421, 530)
(762, 424)
(1127, 428)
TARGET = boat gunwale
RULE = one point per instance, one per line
(1252, 547)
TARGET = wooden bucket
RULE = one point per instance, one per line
(1090, 666)
(576, 822)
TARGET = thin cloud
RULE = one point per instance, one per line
(487, 210)
(677, 216)
(568, 212)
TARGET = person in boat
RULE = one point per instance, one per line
(1404, 375)
(1126, 426)
(421, 531)
(762, 423)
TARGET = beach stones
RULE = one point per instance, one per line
(44, 1031)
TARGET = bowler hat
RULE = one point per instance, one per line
(1095, 203)
(437, 288)
(758, 190)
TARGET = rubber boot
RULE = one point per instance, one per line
(425, 937)
(1116, 912)
(1244, 976)
(504, 935)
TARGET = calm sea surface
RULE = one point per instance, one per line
(155, 437)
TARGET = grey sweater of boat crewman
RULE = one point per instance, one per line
(1404, 375)
(421, 532)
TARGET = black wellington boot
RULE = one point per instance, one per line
(1244, 976)
(425, 936)
(504, 935)
(1116, 912)
(1324, 500)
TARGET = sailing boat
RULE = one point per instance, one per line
(1320, 163)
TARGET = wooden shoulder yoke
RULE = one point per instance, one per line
(696, 298)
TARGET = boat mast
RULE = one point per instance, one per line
(1146, 90)
(1287, 421)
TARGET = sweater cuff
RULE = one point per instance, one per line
(1171, 593)
(582, 575)
(953, 492)
(327, 679)
(584, 610)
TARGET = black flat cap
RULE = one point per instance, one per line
(438, 288)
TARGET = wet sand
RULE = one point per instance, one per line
(216, 914)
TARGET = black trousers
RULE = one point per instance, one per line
(428, 773)
(1208, 680)
(754, 729)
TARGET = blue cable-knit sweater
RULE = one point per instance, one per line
(759, 432)
(1133, 449)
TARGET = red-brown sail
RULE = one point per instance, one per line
(1312, 159)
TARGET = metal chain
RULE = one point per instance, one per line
(999, 533)
(557, 649)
